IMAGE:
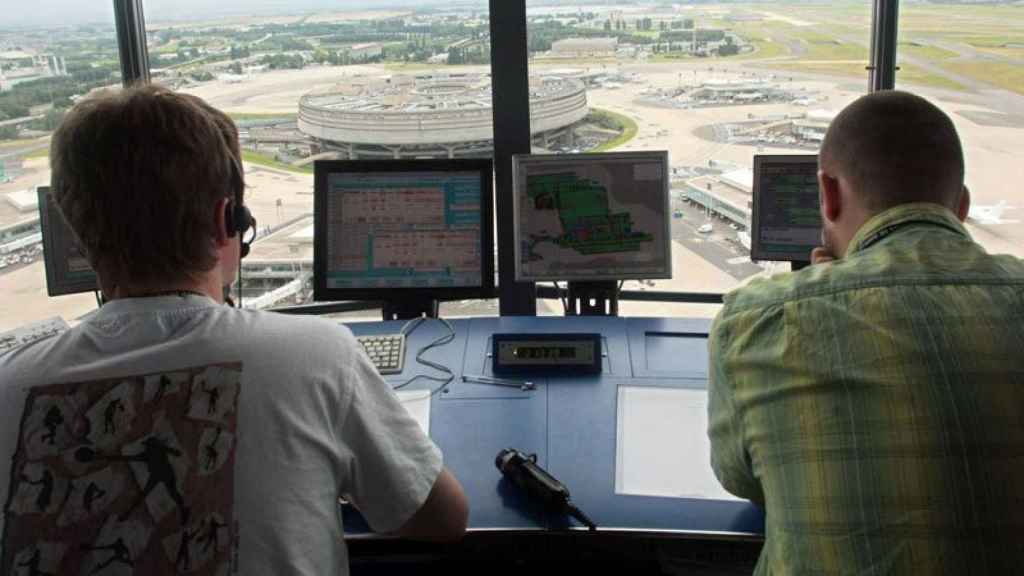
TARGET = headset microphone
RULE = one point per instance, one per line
(540, 486)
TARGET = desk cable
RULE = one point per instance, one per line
(408, 329)
(563, 297)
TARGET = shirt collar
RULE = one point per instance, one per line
(152, 305)
(882, 225)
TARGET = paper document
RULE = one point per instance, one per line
(417, 403)
(662, 444)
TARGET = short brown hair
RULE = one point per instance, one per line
(137, 174)
(895, 148)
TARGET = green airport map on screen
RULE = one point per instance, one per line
(593, 219)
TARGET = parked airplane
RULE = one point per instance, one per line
(233, 78)
(744, 237)
(991, 214)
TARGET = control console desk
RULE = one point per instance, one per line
(630, 443)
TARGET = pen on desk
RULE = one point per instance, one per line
(522, 385)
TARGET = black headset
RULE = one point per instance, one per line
(237, 217)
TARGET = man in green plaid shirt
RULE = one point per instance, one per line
(873, 403)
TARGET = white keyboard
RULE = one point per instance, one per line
(386, 351)
(31, 332)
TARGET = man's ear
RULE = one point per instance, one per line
(964, 208)
(828, 194)
(221, 235)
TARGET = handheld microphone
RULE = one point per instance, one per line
(540, 486)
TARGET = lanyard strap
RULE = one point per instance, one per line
(886, 231)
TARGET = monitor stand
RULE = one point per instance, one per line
(593, 299)
(409, 308)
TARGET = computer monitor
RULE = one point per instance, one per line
(786, 220)
(403, 231)
(67, 269)
(592, 217)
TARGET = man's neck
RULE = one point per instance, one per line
(206, 285)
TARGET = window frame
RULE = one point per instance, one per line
(511, 111)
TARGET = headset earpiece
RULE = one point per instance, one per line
(238, 220)
(237, 217)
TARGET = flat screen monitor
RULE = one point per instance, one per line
(388, 230)
(592, 217)
(786, 222)
(67, 269)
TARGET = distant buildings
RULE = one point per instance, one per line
(803, 130)
(17, 66)
(584, 47)
(812, 128)
(366, 51)
(727, 195)
(738, 92)
(722, 92)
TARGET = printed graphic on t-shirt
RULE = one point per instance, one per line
(126, 476)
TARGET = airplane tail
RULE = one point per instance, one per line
(991, 214)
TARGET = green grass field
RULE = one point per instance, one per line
(837, 68)
(994, 31)
(43, 152)
(571, 62)
(764, 48)
(625, 123)
(672, 57)
(1002, 46)
(269, 161)
(910, 74)
(965, 22)
(823, 47)
(409, 66)
(20, 143)
(928, 52)
(169, 48)
(837, 41)
(1001, 74)
(1013, 53)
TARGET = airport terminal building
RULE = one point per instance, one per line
(431, 116)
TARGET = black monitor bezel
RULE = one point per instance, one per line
(52, 225)
(756, 254)
(323, 168)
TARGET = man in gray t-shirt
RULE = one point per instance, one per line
(170, 433)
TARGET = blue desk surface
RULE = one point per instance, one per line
(569, 423)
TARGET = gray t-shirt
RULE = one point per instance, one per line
(173, 434)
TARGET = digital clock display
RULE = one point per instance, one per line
(547, 353)
(539, 352)
(540, 355)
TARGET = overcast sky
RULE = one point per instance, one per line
(50, 12)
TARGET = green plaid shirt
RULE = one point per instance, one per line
(875, 405)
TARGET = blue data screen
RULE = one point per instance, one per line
(404, 230)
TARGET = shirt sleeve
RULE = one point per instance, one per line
(729, 458)
(392, 465)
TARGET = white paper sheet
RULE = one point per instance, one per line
(662, 444)
(417, 402)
